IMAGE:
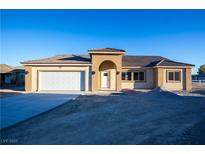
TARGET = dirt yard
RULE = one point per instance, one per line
(198, 88)
(154, 117)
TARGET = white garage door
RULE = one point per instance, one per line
(61, 81)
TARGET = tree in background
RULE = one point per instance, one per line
(201, 69)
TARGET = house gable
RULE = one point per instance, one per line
(100, 56)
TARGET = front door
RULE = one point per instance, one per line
(105, 80)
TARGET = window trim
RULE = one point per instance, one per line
(174, 81)
(132, 76)
(122, 76)
(126, 79)
(144, 71)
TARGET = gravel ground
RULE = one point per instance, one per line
(155, 117)
(198, 88)
(198, 91)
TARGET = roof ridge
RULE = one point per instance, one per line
(101, 49)
(172, 61)
(160, 62)
(142, 56)
(62, 54)
(6, 65)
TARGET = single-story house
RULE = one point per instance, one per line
(11, 75)
(106, 69)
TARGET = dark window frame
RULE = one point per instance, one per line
(127, 77)
(123, 76)
(174, 72)
(139, 77)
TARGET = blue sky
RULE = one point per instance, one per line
(32, 34)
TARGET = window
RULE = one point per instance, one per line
(177, 76)
(123, 75)
(142, 76)
(171, 75)
(126, 76)
(129, 77)
(174, 76)
(136, 75)
(139, 76)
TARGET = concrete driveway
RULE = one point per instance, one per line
(19, 108)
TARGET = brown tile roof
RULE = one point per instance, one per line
(5, 68)
(127, 61)
(62, 59)
(167, 62)
(106, 50)
(149, 61)
(140, 61)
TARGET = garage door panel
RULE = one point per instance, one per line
(61, 81)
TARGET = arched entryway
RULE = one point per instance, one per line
(107, 75)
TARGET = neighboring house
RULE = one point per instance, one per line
(5, 74)
(11, 75)
(106, 69)
(198, 76)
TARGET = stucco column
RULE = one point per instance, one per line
(97, 60)
(118, 79)
(87, 79)
(188, 79)
(28, 77)
(95, 77)
(158, 77)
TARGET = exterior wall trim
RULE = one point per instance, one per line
(38, 72)
(178, 67)
(36, 69)
(132, 75)
(97, 60)
(134, 67)
(57, 64)
(107, 53)
(174, 81)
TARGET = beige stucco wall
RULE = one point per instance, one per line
(28, 78)
(173, 85)
(109, 67)
(97, 60)
(188, 79)
(154, 77)
(147, 84)
(32, 82)
(160, 79)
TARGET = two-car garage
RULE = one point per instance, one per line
(58, 78)
(61, 80)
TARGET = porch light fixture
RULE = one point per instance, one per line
(93, 72)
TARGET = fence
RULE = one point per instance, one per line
(198, 83)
